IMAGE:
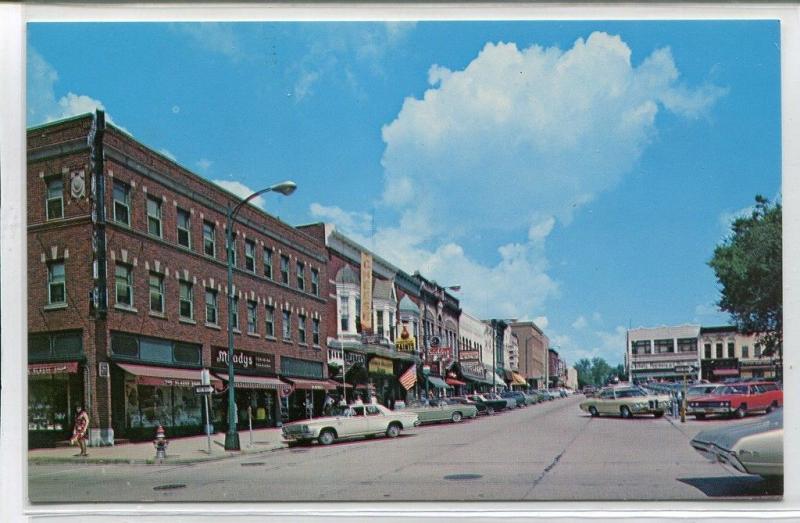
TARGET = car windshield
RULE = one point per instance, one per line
(734, 389)
(348, 411)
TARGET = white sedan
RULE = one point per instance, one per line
(349, 422)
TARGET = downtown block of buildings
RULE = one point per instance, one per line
(713, 353)
(128, 304)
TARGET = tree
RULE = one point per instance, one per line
(600, 371)
(584, 368)
(748, 266)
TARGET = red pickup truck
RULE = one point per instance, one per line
(737, 399)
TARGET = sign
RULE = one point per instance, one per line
(203, 389)
(381, 366)
(260, 361)
(43, 369)
(354, 358)
(442, 353)
(434, 341)
(683, 369)
(366, 292)
(406, 345)
(469, 355)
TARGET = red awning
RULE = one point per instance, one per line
(336, 384)
(43, 369)
(242, 381)
(311, 384)
(453, 381)
(165, 376)
(726, 372)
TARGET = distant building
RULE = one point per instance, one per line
(533, 347)
(726, 353)
(572, 378)
(653, 353)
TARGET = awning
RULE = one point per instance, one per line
(518, 379)
(453, 381)
(438, 383)
(165, 376)
(498, 380)
(243, 381)
(336, 384)
(307, 384)
(47, 369)
(726, 372)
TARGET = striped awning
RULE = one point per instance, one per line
(517, 379)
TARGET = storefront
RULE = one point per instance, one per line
(55, 386)
(474, 374)
(517, 381)
(757, 369)
(308, 390)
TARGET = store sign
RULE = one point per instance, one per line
(262, 362)
(47, 369)
(366, 291)
(469, 355)
(354, 358)
(406, 345)
(440, 353)
(381, 366)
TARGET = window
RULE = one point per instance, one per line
(154, 216)
(301, 276)
(358, 314)
(731, 350)
(301, 329)
(184, 228)
(232, 251)
(745, 351)
(719, 350)
(122, 196)
(268, 262)
(392, 326)
(344, 313)
(209, 240)
(56, 284)
(687, 344)
(662, 346)
(123, 280)
(235, 322)
(379, 322)
(315, 282)
(707, 350)
(250, 255)
(156, 292)
(285, 269)
(270, 321)
(251, 317)
(211, 306)
(186, 300)
(315, 331)
(55, 198)
(640, 347)
(758, 351)
(287, 325)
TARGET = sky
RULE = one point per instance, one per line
(577, 174)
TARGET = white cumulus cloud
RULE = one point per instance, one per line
(580, 323)
(242, 191)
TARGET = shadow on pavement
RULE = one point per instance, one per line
(736, 486)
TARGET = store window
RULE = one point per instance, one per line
(301, 328)
(315, 331)
(156, 292)
(56, 283)
(123, 280)
(211, 307)
(186, 307)
(285, 269)
(184, 228)
(251, 317)
(155, 350)
(57, 345)
(55, 198)
(250, 255)
(269, 321)
(154, 216)
(287, 325)
(315, 282)
(122, 202)
(268, 262)
(301, 276)
(209, 239)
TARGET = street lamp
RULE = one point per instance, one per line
(285, 188)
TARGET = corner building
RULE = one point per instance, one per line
(127, 291)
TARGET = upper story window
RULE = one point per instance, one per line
(758, 351)
(745, 351)
(731, 350)
(123, 283)
(315, 331)
(56, 283)
(211, 306)
(391, 326)
(687, 344)
(156, 292)
(184, 228)
(251, 317)
(315, 282)
(250, 255)
(285, 269)
(154, 216)
(209, 239)
(719, 350)
(122, 202)
(269, 321)
(235, 322)
(186, 302)
(662, 346)
(640, 347)
(232, 251)
(707, 351)
(301, 329)
(55, 198)
(301, 276)
(287, 325)
(268, 262)
(344, 313)
(379, 323)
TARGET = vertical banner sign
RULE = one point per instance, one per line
(366, 292)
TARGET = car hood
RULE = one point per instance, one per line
(710, 397)
(726, 437)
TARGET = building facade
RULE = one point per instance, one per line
(654, 353)
(533, 347)
(128, 297)
(726, 353)
(475, 352)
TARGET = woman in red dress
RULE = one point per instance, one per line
(80, 429)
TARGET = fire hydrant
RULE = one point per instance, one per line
(160, 443)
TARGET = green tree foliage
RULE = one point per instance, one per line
(748, 268)
(596, 372)
(584, 368)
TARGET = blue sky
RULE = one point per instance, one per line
(574, 173)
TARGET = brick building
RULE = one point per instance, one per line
(533, 347)
(128, 297)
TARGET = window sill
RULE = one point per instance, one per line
(288, 341)
(271, 338)
(236, 331)
(56, 306)
(304, 345)
(159, 315)
(187, 320)
(253, 335)
(214, 326)
(317, 347)
(126, 308)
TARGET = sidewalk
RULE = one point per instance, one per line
(191, 449)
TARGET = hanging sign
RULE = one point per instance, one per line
(366, 292)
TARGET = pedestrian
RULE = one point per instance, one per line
(80, 429)
(358, 400)
(327, 405)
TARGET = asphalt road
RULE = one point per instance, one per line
(551, 451)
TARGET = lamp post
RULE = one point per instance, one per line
(285, 188)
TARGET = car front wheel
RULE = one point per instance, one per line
(326, 437)
(740, 412)
(393, 430)
(625, 412)
(593, 411)
(490, 411)
(456, 417)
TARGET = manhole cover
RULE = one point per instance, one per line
(459, 477)
(253, 464)
(170, 487)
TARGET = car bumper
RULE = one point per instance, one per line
(417, 423)
(300, 436)
(717, 455)
(708, 410)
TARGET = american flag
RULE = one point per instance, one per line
(409, 377)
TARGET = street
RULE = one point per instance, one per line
(549, 451)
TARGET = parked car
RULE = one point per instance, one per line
(589, 390)
(516, 395)
(348, 422)
(511, 403)
(530, 398)
(492, 405)
(752, 448)
(443, 410)
(737, 400)
(625, 402)
(703, 389)
(479, 405)
(540, 395)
